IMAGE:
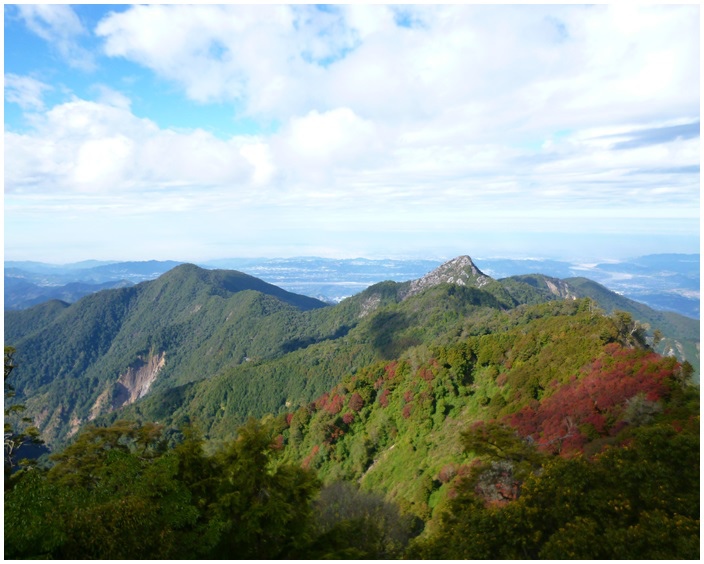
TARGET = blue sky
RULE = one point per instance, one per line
(200, 132)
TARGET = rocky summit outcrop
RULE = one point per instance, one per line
(460, 270)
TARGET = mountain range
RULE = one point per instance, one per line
(668, 282)
(216, 346)
(208, 413)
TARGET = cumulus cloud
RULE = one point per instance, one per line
(533, 66)
(111, 97)
(96, 147)
(338, 134)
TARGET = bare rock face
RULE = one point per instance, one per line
(560, 288)
(130, 386)
(370, 304)
(460, 270)
(135, 383)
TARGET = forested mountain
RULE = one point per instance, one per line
(453, 416)
(107, 349)
(216, 346)
(680, 334)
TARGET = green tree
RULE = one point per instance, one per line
(362, 525)
(263, 506)
(19, 430)
(637, 501)
(108, 496)
(118, 492)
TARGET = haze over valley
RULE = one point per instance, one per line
(666, 282)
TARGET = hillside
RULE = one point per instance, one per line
(110, 348)
(460, 429)
(397, 426)
(380, 324)
(681, 334)
(215, 346)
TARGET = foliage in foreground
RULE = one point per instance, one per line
(117, 492)
(634, 502)
(19, 431)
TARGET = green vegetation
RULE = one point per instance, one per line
(452, 424)
(19, 431)
(636, 502)
(118, 492)
(219, 346)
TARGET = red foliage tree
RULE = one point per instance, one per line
(356, 402)
(333, 433)
(595, 404)
(384, 398)
(334, 406)
(426, 374)
(308, 459)
(322, 401)
(347, 418)
(446, 473)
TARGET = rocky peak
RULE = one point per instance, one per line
(460, 270)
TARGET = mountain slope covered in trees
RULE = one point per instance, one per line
(214, 347)
(109, 348)
(539, 431)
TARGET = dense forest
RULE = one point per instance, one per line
(428, 421)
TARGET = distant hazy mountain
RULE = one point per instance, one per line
(94, 272)
(330, 280)
(20, 294)
(664, 282)
(30, 283)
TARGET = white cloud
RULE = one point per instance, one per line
(111, 97)
(213, 52)
(60, 26)
(520, 66)
(89, 146)
(25, 91)
(102, 161)
(395, 116)
(338, 134)
(259, 156)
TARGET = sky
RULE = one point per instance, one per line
(201, 132)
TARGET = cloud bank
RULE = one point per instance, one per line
(411, 117)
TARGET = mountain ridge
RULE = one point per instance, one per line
(196, 324)
(666, 282)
